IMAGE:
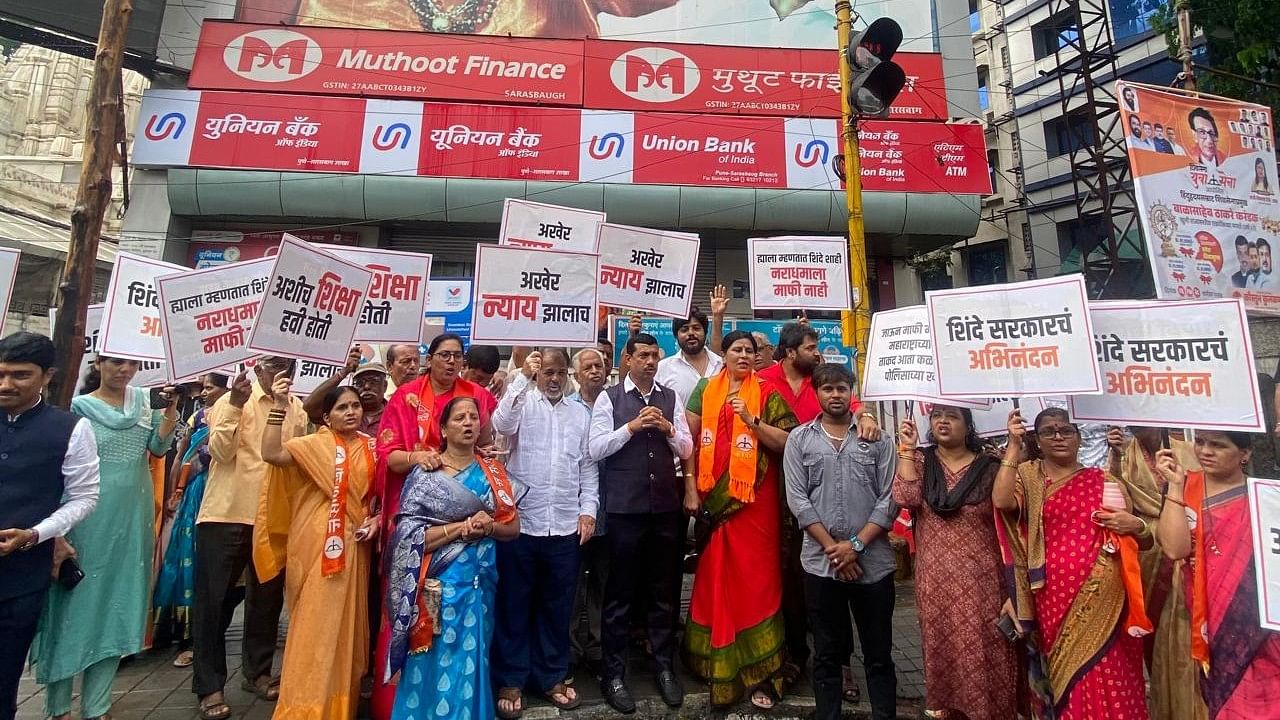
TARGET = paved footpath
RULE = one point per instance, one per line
(150, 688)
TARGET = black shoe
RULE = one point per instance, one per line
(670, 690)
(618, 696)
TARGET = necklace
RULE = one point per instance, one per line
(466, 17)
(836, 440)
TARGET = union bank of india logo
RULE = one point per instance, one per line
(603, 147)
(811, 153)
(391, 136)
(654, 74)
(163, 127)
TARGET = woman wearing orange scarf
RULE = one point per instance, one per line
(314, 517)
(734, 637)
(1206, 518)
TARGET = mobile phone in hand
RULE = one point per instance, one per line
(291, 370)
(159, 398)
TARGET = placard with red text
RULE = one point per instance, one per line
(312, 306)
(810, 273)
(900, 362)
(207, 315)
(539, 225)
(1177, 365)
(1017, 339)
(645, 270)
(131, 320)
(151, 373)
(392, 311)
(534, 297)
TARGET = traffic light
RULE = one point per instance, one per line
(875, 79)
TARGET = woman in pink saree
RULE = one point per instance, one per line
(1206, 518)
(1072, 545)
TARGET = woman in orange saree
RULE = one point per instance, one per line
(734, 637)
(1206, 518)
(313, 517)
(1073, 547)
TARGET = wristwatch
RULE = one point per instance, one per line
(32, 540)
(858, 545)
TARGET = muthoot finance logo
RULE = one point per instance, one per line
(272, 56)
(654, 74)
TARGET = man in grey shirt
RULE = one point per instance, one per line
(840, 489)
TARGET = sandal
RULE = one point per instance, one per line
(789, 674)
(219, 710)
(851, 692)
(762, 699)
(564, 691)
(184, 659)
(266, 688)
(512, 697)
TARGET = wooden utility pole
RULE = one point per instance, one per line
(93, 196)
(1184, 44)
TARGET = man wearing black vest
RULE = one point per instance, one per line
(638, 430)
(48, 484)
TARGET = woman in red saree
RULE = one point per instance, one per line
(734, 636)
(1206, 518)
(1076, 578)
(408, 436)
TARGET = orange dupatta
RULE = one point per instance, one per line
(742, 453)
(1193, 494)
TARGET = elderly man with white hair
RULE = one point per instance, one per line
(589, 372)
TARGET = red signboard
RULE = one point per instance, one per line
(390, 64)
(675, 149)
(597, 74)
(924, 157)
(743, 81)
(280, 132)
(515, 143)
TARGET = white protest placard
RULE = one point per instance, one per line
(131, 321)
(8, 278)
(1016, 340)
(312, 305)
(988, 422)
(392, 312)
(900, 359)
(647, 270)
(1264, 518)
(311, 374)
(1177, 365)
(534, 297)
(150, 372)
(207, 315)
(809, 273)
(549, 227)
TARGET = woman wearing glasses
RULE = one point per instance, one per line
(1073, 546)
(409, 437)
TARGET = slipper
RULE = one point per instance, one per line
(269, 690)
(850, 692)
(761, 699)
(513, 696)
(184, 659)
(569, 703)
(215, 711)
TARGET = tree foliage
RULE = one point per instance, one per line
(1243, 37)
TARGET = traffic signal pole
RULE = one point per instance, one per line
(855, 323)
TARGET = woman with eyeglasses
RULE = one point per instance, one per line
(408, 438)
(1206, 519)
(1073, 546)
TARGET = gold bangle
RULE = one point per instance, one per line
(905, 456)
(1006, 463)
(275, 421)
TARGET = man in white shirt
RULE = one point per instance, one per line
(48, 484)
(589, 371)
(538, 571)
(682, 371)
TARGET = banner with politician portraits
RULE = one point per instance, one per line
(550, 227)
(647, 270)
(534, 297)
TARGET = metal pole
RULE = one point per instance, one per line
(855, 323)
(92, 198)
(1184, 44)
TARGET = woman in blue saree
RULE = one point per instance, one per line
(443, 575)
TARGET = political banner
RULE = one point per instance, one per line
(647, 270)
(534, 297)
(900, 362)
(1264, 519)
(1176, 365)
(151, 373)
(131, 322)
(206, 315)
(1204, 175)
(549, 227)
(809, 273)
(8, 277)
(449, 306)
(1017, 339)
(312, 306)
(397, 299)
(988, 422)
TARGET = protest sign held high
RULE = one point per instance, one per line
(799, 272)
(131, 321)
(647, 270)
(1175, 365)
(151, 373)
(549, 227)
(1018, 339)
(1204, 174)
(8, 276)
(392, 312)
(534, 297)
(312, 305)
(207, 315)
(900, 360)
